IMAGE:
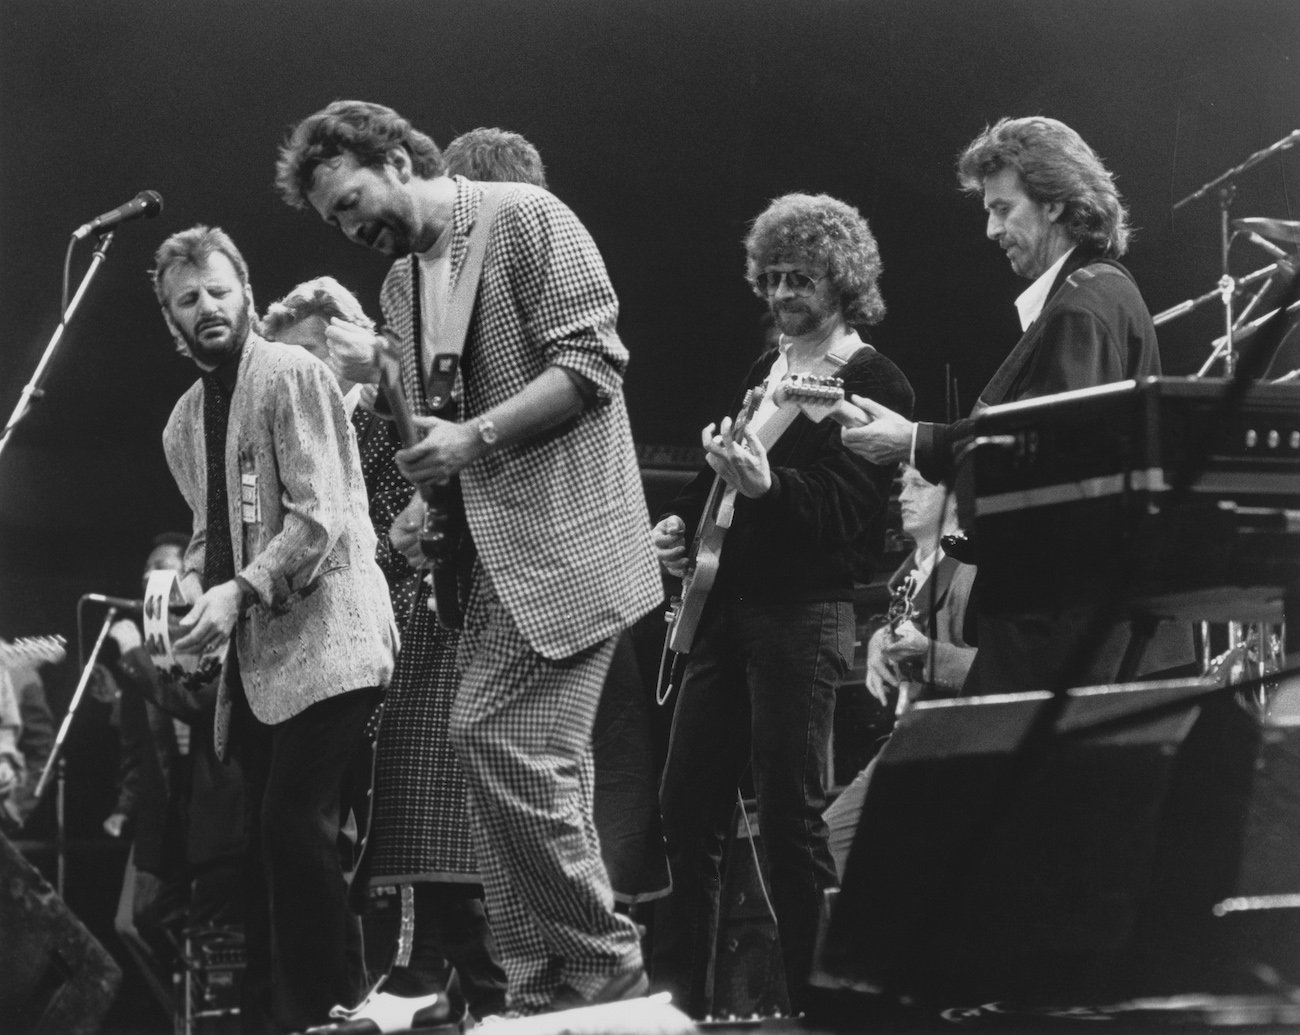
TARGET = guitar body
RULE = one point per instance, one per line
(684, 620)
(444, 527)
(441, 538)
(684, 611)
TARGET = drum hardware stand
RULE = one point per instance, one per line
(1267, 639)
(1225, 185)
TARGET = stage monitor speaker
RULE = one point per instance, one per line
(55, 978)
(1076, 850)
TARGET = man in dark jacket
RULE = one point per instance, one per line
(1053, 208)
(776, 635)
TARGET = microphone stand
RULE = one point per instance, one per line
(33, 392)
(60, 835)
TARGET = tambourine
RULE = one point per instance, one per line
(192, 672)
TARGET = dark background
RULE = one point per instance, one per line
(666, 124)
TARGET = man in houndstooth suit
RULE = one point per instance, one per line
(554, 507)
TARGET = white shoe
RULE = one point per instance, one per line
(392, 1013)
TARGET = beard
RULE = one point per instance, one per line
(214, 354)
(797, 317)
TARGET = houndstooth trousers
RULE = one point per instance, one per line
(521, 726)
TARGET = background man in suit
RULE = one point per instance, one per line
(920, 653)
(282, 566)
(1053, 208)
(553, 503)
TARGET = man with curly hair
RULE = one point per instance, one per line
(776, 636)
(1054, 210)
(554, 506)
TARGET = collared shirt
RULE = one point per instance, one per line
(924, 567)
(1030, 302)
(351, 399)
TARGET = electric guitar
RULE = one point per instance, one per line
(902, 609)
(444, 516)
(685, 608)
(822, 397)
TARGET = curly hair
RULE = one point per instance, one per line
(192, 247)
(821, 231)
(364, 130)
(495, 155)
(324, 297)
(1055, 165)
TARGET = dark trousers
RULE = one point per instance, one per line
(303, 941)
(759, 690)
(451, 930)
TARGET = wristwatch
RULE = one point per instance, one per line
(487, 430)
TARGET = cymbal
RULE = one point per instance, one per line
(1274, 229)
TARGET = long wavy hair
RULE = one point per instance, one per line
(1055, 164)
(818, 230)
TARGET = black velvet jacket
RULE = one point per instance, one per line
(821, 526)
(1094, 330)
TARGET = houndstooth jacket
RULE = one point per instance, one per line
(559, 522)
(322, 623)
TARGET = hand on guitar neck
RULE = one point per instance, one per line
(819, 398)
(871, 430)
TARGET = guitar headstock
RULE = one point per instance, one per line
(39, 650)
(818, 398)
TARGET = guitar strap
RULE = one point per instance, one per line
(441, 376)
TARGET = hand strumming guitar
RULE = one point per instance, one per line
(669, 541)
(446, 449)
(885, 439)
(740, 462)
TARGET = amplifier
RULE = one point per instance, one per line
(212, 971)
(1178, 489)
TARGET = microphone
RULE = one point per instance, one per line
(134, 607)
(147, 204)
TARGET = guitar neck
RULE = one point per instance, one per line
(846, 415)
(401, 412)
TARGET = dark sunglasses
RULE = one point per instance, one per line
(799, 283)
